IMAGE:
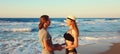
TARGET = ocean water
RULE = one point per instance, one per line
(20, 35)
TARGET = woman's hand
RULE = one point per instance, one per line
(58, 47)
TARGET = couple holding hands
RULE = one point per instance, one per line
(71, 36)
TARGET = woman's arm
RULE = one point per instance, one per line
(53, 47)
(47, 45)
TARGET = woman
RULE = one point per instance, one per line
(71, 36)
(45, 38)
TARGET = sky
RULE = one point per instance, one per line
(60, 8)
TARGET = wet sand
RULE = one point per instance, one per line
(115, 49)
(90, 49)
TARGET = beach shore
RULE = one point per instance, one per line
(97, 48)
(115, 49)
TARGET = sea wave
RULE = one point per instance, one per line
(17, 23)
(107, 21)
(91, 40)
(99, 21)
(58, 23)
(18, 29)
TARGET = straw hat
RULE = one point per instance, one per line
(71, 17)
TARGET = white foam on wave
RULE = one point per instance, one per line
(59, 40)
(58, 23)
(17, 23)
(89, 22)
(16, 29)
(99, 21)
(21, 29)
(91, 40)
(22, 46)
(106, 21)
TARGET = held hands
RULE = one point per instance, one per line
(64, 45)
(58, 47)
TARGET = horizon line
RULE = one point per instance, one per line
(60, 17)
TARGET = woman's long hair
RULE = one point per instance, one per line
(74, 24)
(43, 19)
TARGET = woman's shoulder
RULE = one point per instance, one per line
(75, 33)
(42, 31)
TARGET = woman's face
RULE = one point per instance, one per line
(68, 22)
(47, 23)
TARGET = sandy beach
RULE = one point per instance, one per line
(115, 49)
(90, 48)
(99, 48)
